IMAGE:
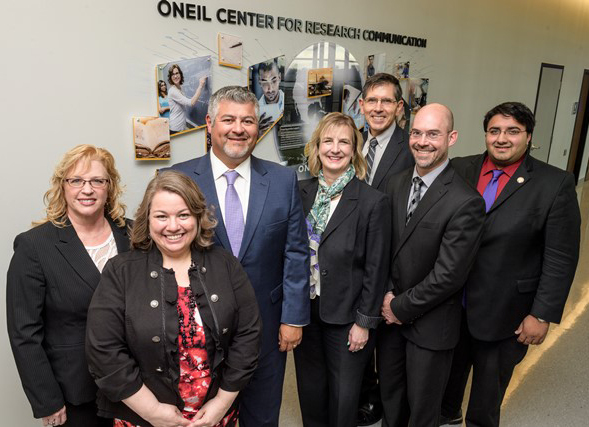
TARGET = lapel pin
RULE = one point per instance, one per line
(520, 180)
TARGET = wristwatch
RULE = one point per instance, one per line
(541, 320)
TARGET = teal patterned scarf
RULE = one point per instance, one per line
(317, 217)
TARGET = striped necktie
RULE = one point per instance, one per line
(415, 198)
(370, 158)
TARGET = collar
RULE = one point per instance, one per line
(430, 177)
(280, 103)
(488, 166)
(219, 168)
(384, 137)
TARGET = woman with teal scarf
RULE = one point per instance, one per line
(349, 228)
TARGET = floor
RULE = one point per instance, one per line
(550, 388)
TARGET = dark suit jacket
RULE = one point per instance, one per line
(529, 251)
(122, 316)
(51, 280)
(432, 256)
(354, 254)
(274, 251)
(396, 158)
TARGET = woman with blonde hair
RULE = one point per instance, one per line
(349, 229)
(51, 279)
(173, 328)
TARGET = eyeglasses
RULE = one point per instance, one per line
(510, 131)
(385, 102)
(430, 135)
(94, 182)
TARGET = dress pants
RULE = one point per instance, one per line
(370, 391)
(260, 400)
(329, 376)
(461, 365)
(84, 415)
(493, 364)
(412, 379)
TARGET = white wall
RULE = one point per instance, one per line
(77, 71)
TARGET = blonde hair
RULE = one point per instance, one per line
(177, 183)
(55, 203)
(327, 122)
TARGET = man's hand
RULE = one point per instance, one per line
(264, 124)
(386, 311)
(531, 331)
(289, 337)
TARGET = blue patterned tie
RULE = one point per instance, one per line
(233, 213)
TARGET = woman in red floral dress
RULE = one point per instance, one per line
(173, 328)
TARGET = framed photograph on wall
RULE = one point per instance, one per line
(351, 104)
(183, 92)
(319, 82)
(265, 80)
(151, 137)
(373, 64)
(230, 50)
(401, 69)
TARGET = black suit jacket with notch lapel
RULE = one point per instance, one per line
(354, 254)
(529, 251)
(396, 158)
(432, 256)
(50, 282)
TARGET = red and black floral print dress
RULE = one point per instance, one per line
(194, 367)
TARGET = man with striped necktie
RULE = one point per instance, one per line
(386, 149)
(437, 225)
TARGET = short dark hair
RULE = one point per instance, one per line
(268, 66)
(171, 70)
(520, 112)
(380, 79)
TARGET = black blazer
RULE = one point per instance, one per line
(51, 280)
(529, 251)
(132, 334)
(396, 158)
(354, 254)
(432, 256)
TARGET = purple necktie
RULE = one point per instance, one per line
(233, 213)
(490, 192)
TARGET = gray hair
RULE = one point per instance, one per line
(232, 94)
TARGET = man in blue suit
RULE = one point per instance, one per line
(261, 222)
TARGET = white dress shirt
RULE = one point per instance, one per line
(242, 183)
(383, 142)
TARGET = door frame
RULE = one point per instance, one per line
(580, 129)
(559, 67)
